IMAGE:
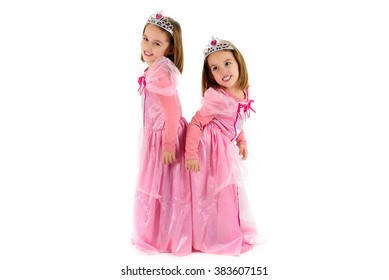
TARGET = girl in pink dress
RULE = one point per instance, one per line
(215, 147)
(162, 213)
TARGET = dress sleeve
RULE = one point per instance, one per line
(193, 134)
(171, 112)
(241, 139)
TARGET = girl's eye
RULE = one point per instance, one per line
(145, 39)
(228, 63)
(157, 44)
(214, 68)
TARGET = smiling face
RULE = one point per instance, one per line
(155, 43)
(224, 69)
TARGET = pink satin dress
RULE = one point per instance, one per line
(162, 213)
(222, 220)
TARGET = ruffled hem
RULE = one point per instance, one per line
(162, 226)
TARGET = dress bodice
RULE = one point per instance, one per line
(229, 113)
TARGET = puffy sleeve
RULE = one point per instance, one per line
(216, 103)
(162, 77)
(193, 134)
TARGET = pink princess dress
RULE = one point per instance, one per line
(162, 213)
(222, 220)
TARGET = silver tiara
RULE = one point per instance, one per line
(160, 20)
(216, 44)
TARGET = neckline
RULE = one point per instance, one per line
(238, 99)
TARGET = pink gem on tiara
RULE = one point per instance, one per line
(158, 19)
(216, 44)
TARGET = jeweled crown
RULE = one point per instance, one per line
(160, 20)
(216, 44)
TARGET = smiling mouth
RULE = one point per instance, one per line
(147, 53)
(226, 78)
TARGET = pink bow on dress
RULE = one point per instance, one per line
(142, 84)
(246, 109)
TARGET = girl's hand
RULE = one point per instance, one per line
(243, 151)
(168, 157)
(192, 165)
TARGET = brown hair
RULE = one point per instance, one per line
(208, 80)
(177, 57)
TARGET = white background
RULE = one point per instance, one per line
(69, 120)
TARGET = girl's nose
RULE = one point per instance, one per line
(224, 71)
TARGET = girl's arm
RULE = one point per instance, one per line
(171, 113)
(193, 134)
(241, 139)
(242, 145)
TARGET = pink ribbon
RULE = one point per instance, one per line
(246, 109)
(142, 84)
